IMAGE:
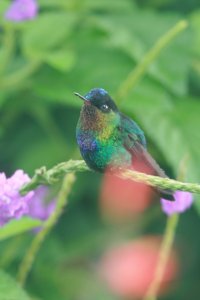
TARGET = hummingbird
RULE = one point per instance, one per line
(109, 139)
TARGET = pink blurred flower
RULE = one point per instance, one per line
(21, 10)
(39, 207)
(183, 201)
(129, 268)
(122, 199)
(12, 204)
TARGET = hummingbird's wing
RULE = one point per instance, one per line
(135, 143)
(129, 127)
(142, 161)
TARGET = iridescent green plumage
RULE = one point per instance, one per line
(107, 138)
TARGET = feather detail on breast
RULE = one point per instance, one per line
(86, 141)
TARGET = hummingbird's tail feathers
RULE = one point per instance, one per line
(166, 194)
(153, 168)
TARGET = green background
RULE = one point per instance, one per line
(73, 46)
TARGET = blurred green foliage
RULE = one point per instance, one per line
(10, 290)
(75, 45)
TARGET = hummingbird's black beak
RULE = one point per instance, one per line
(82, 98)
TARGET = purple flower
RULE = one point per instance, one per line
(39, 206)
(12, 204)
(183, 201)
(21, 10)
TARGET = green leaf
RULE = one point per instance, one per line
(4, 6)
(10, 289)
(47, 32)
(51, 3)
(62, 60)
(87, 73)
(15, 227)
(48, 77)
(68, 5)
(2, 98)
(136, 38)
(112, 5)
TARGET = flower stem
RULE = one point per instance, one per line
(167, 243)
(8, 47)
(27, 262)
(135, 75)
(51, 176)
(165, 250)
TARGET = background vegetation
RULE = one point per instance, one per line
(76, 45)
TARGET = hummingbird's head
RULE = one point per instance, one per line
(99, 98)
(99, 109)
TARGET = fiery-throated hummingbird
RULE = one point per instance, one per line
(108, 138)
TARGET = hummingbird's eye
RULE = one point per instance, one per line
(105, 108)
